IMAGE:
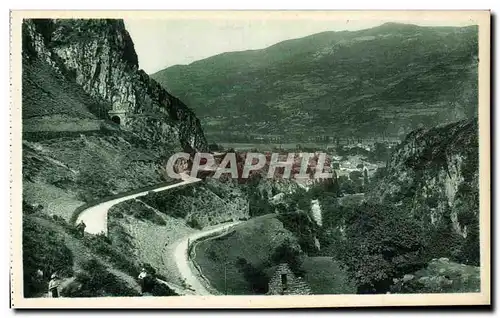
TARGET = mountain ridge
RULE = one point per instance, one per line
(363, 77)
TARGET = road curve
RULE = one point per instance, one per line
(183, 262)
(96, 221)
(96, 217)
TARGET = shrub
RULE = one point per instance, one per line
(168, 201)
(102, 245)
(194, 223)
(98, 282)
(256, 277)
(381, 244)
(43, 249)
(302, 228)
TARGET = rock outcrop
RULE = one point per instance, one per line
(99, 55)
(434, 174)
(440, 276)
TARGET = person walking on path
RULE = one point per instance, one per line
(143, 280)
(81, 228)
(54, 284)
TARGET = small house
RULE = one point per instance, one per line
(284, 282)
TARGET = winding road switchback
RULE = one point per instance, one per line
(96, 217)
(96, 221)
(182, 259)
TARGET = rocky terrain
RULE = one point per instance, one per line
(387, 80)
(434, 174)
(99, 56)
(440, 276)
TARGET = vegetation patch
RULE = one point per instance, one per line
(237, 264)
(43, 249)
(97, 281)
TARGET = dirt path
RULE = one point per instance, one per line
(96, 217)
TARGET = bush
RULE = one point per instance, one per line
(286, 253)
(258, 203)
(160, 289)
(194, 223)
(144, 213)
(256, 277)
(168, 201)
(98, 282)
(381, 244)
(302, 228)
(215, 147)
(102, 245)
(43, 249)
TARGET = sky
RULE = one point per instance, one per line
(163, 43)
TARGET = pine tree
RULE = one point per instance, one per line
(365, 177)
(335, 188)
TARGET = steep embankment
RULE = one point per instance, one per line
(99, 56)
(434, 174)
(423, 206)
(74, 72)
(426, 207)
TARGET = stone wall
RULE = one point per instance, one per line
(284, 282)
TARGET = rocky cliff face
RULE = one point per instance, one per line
(434, 175)
(99, 55)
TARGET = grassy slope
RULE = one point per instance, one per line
(255, 241)
(148, 234)
(325, 276)
(400, 73)
(48, 243)
(63, 169)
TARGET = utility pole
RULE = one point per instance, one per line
(225, 278)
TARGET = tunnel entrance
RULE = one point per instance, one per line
(116, 120)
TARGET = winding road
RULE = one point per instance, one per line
(96, 220)
(182, 259)
(96, 217)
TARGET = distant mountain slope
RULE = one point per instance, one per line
(385, 80)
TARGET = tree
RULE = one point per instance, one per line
(365, 177)
(381, 244)
(381, 152)
(290, 254)
(444, 241)
(335, 187)
(255, 276)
